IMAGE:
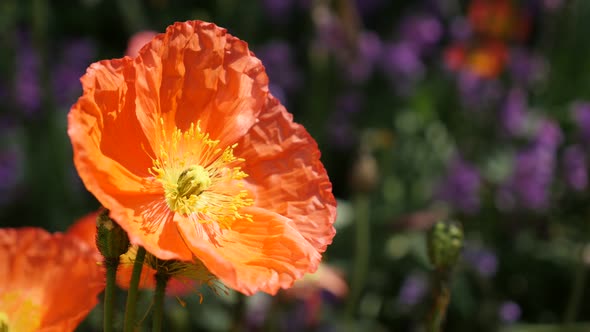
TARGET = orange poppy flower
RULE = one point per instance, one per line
(195, 159)
(85, 230)
(48, 282)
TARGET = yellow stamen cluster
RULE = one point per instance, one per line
(200, 180)
(25, 315)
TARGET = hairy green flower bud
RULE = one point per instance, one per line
(445, 241)
(112, 241)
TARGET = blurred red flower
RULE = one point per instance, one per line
(486, 60)
(501, 19)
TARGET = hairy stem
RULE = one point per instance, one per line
(159, 294)
(109, 293)
(131, 306)
(442, 297)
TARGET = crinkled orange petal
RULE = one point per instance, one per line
(196, 71)
(57, 272)
(149, 223)
(286, 176)
(85, 229)
(104, 129)
(265, 254)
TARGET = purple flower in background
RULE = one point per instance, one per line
(368, 7)
(581, 115)
(574, 167)
(257, 309)
(330, 35)
(278, 59)
(370, 45)
(75, 58)
(401, 59)
(413, 289)
(297, 318)
(349, 104)
(368, 53)
(460, 188)
(475, 91)
(513, 114)
(526, 68)
(279, 10)
(552, 5)
(421, 31)
(533, 171)
(278, 92)
(27, 87)
(11, 163)
(483, 261)
(342, 134)
(341, 131)
(509, 312)
(357, 57)
(10, 173)
(402, 65)
(548, 135)
(529, 183)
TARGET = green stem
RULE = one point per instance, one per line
(131, 306)
(109, 293)
(577, 290)
(362, 252)
(442, 297)
(159, 294)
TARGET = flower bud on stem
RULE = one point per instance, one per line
(112, 242)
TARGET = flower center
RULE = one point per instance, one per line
(200, 180)
(193, 181)
(18, 313)
(3, 322)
